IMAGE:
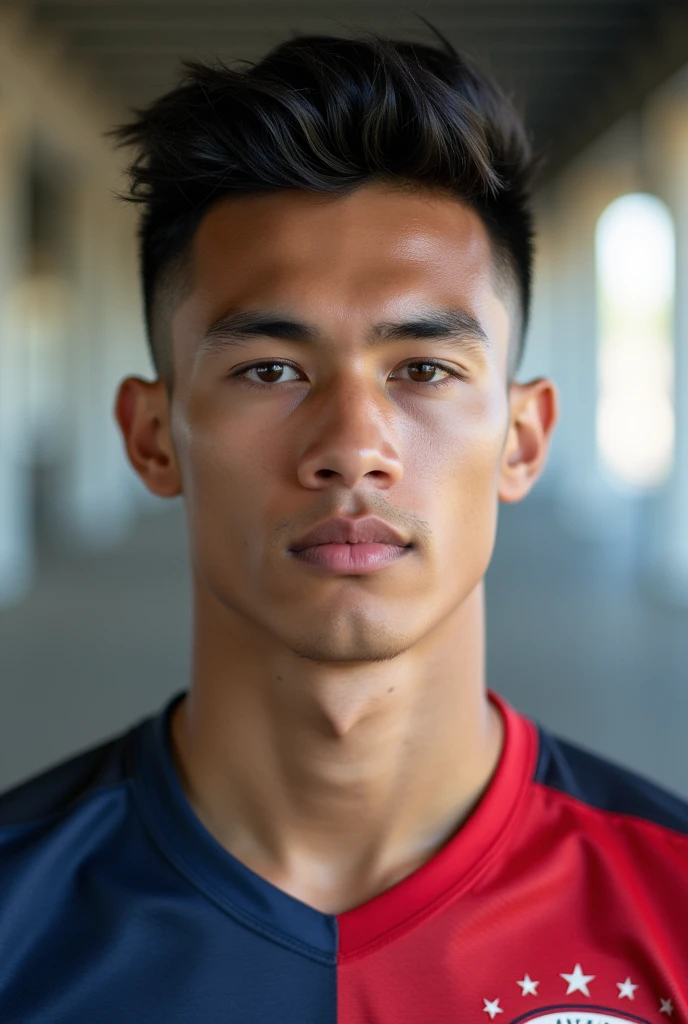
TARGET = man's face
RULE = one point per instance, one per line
(339, 426)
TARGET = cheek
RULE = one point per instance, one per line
(459, 451)
(460, 480)
(223, 475)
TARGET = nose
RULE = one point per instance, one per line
(352, 441)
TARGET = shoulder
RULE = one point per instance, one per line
(601, 784)
(58, 789)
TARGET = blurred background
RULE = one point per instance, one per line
(587, 593)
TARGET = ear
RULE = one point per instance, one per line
(534, 411)
(143, 413)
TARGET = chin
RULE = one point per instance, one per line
(348, 646)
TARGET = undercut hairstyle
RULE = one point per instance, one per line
(327, 115)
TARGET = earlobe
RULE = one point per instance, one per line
(142, 412)
(534, 413)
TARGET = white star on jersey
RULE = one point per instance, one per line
(578, 982)
(626, 988)
(666, 1007)
(493, 1008)
(529, 987)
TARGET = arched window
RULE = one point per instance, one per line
(635, 281)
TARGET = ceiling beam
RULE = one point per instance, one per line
(181, 47)
(446, 17)
(650, 63)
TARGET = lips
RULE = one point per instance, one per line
(370, 530)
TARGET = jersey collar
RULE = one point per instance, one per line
(258, 904)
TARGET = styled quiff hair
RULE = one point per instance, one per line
(327, 115)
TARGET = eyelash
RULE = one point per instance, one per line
(456, 374)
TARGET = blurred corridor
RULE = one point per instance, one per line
(587, 595)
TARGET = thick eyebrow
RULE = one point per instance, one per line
(455, 327)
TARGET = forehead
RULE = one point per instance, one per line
(291, 230)
(374, 252)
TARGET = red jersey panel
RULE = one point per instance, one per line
(563, 900)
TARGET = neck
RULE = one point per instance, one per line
(335, 781)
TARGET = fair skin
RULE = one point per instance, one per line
(337, 730)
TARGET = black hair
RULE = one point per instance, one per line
(327, 115)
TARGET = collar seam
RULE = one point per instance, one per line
(219, 898)
(472, 877)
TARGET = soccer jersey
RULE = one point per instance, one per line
(563, 899)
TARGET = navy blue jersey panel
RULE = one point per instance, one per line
(108, 916)
(95, 929)
(607, 786)
(184, 840)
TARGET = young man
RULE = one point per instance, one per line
(339, 821)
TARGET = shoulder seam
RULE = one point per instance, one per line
(625, 816)
(91, 780)
(61, 812)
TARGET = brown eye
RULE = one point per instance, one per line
(266, 373)
(273, 371)
(422, 371)
(426, 371)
